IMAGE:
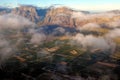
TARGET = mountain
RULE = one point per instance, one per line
(62, 16)
(59, 16)
(32, 13)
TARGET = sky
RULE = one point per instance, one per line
(76, 4)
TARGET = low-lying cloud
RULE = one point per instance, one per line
(12, 35)
(38, 38)
(5, 49)
(113, 33)
(91, 42)
(12, 21)
(89, 26)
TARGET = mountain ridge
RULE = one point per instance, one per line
(62, 15)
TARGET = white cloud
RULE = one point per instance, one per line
(113, 33)
(90, 41)
(89, 26)
(13, 21)
(38, 38)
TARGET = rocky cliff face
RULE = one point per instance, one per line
(28, 12)
(59, 16)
